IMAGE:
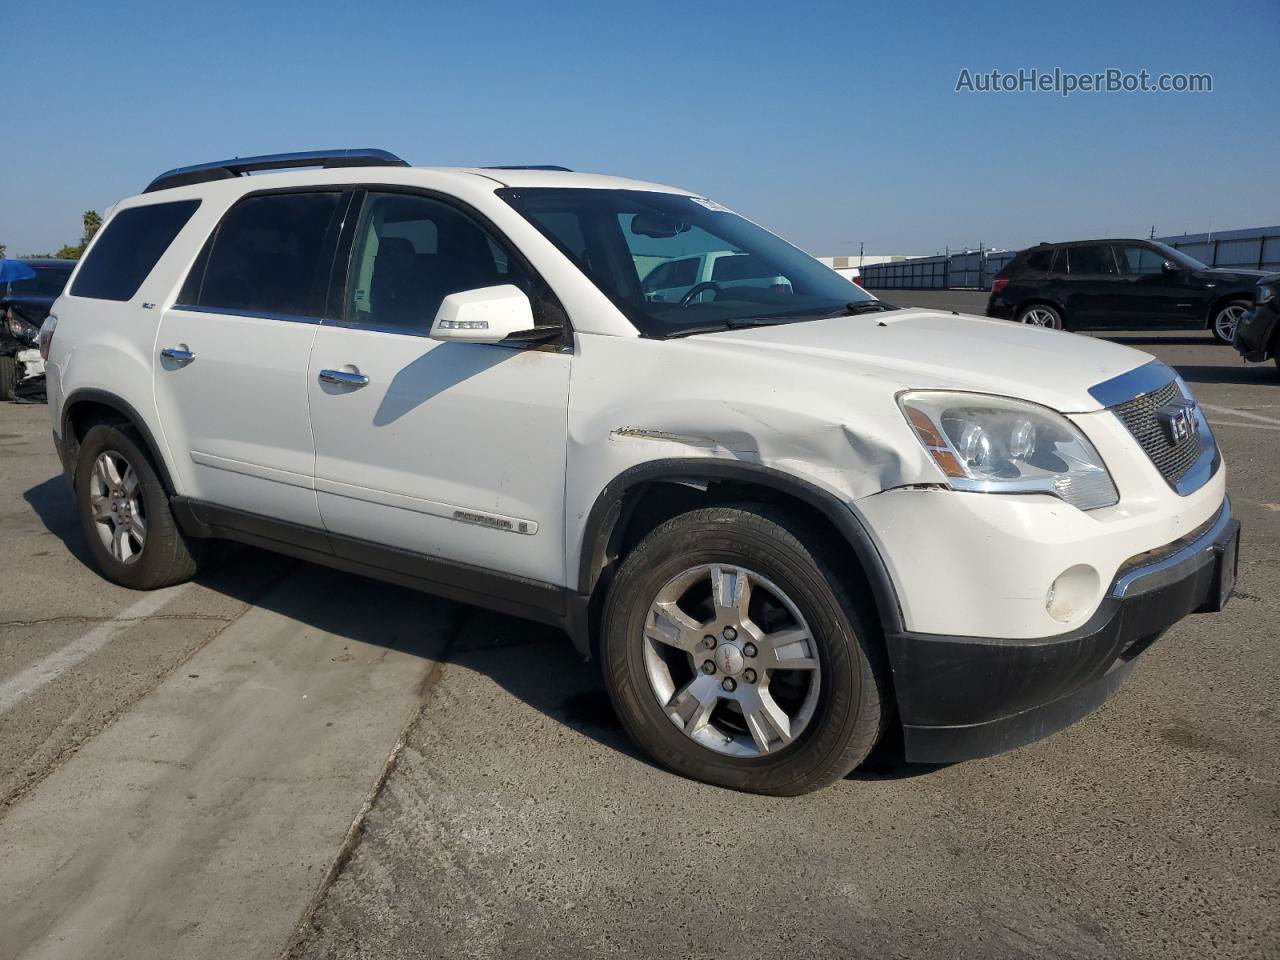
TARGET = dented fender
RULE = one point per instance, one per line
(634, 402)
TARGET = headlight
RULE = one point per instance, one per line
(21, 330)
(1263, 293)
(995, 445)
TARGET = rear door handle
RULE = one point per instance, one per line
(344, 377)
(177, 354)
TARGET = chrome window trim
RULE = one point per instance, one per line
(246, 314)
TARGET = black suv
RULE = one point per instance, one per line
(1258, 335)
(1120, 285)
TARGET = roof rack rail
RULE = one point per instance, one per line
(241, 166)
(529, 166)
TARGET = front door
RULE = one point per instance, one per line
(1150, 295)
(453, 450)
(231, 377)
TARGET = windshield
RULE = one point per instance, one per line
(676, 265)
(1180, 258)
(48, 282)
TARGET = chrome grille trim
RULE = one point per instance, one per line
(1135, 398)
(1172, 459)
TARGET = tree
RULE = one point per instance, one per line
(92, 222)
(3, 251)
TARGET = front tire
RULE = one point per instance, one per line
(734, 655)
(1041, 315)
(1226, 318)
(125, 515)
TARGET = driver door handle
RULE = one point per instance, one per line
(344, 377)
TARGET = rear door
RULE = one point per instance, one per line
(1092, 288)
(231, 377)
(453, 450)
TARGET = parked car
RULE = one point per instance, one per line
(1120, 285)
(23, 306)
(700, 276)
(786, 520)
(1258, 333)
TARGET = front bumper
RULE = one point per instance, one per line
(1254, 333)
(967, 697)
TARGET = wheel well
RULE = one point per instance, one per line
(1218, 304)
(82, 415)
(1040, 302)
(648, 504)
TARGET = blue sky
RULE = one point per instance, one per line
(830, 123)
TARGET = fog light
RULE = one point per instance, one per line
(1073, 593)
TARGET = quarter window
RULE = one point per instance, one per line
(411, 252)
(129, 247)
(1040, 261)
(270, 255)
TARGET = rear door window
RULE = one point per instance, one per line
(1092, 259)
(271, 255)
(128, 249)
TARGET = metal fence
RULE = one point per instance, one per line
(1257, 248)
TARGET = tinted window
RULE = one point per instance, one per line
(673, 274)
(129, 247)
(411, 252)
(48, 282)
(267, 256)
(1135, 259)
(1095, 258)
(741, 267)
(1040, 261)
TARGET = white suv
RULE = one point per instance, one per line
(788, 519)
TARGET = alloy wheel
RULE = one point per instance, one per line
(1039, 317)
(731, 660)
(115, 500)
(1224, 324)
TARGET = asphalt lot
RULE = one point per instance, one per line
(281, 759)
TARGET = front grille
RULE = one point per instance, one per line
(1173, 460)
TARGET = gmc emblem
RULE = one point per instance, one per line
(1179, 420)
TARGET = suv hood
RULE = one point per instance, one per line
(923, 349)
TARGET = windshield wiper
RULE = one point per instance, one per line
(742, 323)
(863, 306)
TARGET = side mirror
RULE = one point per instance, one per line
(1170, 267)
(486, 315)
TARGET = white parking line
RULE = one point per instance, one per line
(22, 685)
(1242, 413)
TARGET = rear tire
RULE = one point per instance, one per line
(1226, 317)
(125, 515)
(779, 729)
(1041, 315)
(8, 377)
